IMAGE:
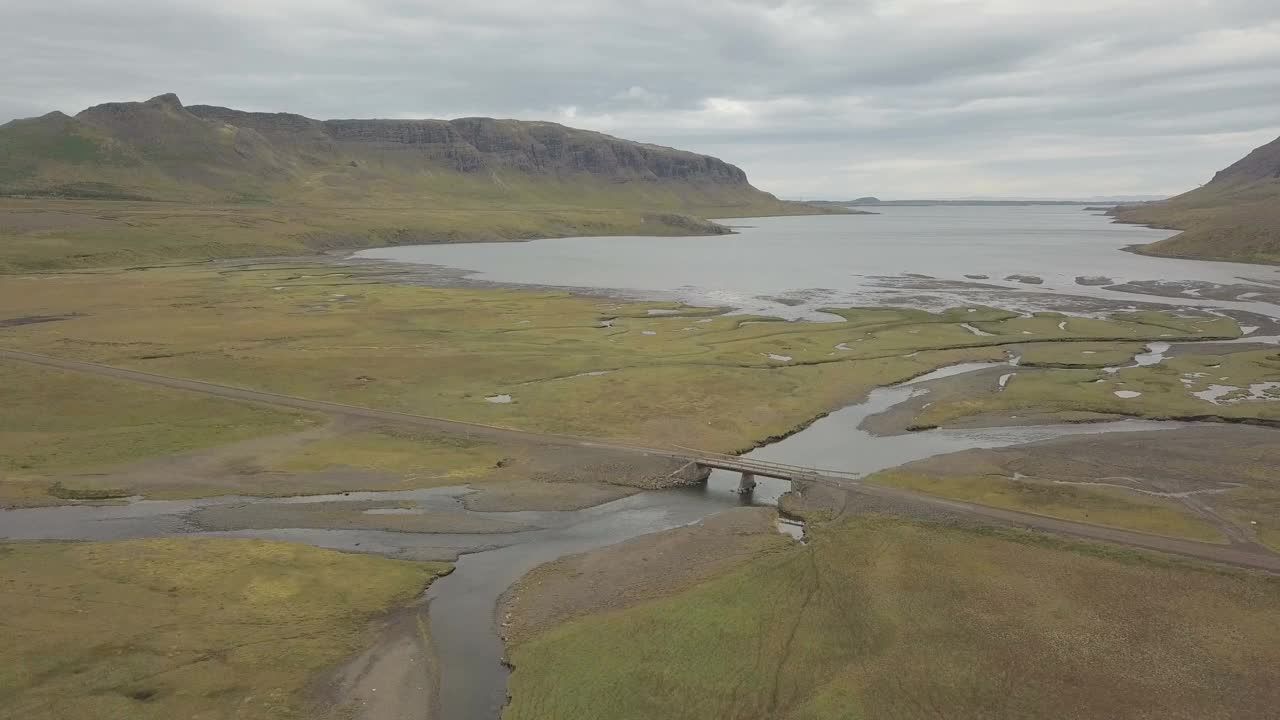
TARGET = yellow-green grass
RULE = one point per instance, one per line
(1221, 221)
(1113, 507)
(46, 234)
(1163, 392)
(331, 332)
(1080, 355)
(56, 421)
(1143, 325)
(1257, 509)
(882, 618)
(181, 628)
(422, 459)
(59, 235)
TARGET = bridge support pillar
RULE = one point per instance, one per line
(747, 484)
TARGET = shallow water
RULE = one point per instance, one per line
(1154, 354)
(1254, 392)
(462, 605)
(810, 262)
(463, 626)
(815, 261)
(838, 442)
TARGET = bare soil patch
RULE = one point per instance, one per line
(360, 515)
(395, 679)
(515, 495)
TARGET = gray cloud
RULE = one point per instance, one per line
(813, 98)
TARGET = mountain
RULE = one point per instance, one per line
(163, 150)
(1235, 216)
(134, 183)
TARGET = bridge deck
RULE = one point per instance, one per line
(763, 468)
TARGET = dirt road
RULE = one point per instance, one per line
(1244, 556)
(1251, 556)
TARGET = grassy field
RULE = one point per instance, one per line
(881, 618)
(1257, 507)
(1193, 481)
(58, 422)
(570, 364)
(1079, 355)
(44, 235)
(1164, 391)
(184, 628)
(1113, 507)
(419, 456)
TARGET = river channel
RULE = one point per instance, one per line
(789, 267)
(462, 605)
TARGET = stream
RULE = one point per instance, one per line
(785, 267)
(462, 606)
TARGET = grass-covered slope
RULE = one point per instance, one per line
(162, 150)
(185, 628)
(1236, 216)
(210, 182)
(881, 618)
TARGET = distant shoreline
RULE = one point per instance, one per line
(964, 203)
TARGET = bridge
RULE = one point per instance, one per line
(1236, 553)
(751, 468)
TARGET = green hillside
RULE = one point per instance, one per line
(161, 150)
(1236, 216)
(131, 182)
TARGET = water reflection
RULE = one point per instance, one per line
(792, 266)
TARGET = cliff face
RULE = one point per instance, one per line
(473, 145)
(1235, 216)
(165, 150)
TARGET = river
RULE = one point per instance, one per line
(462, 605)
(789, 267)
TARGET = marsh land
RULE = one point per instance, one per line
(1026, 487)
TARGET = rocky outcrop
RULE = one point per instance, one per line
(1261, 164)
(161, 149)
(1093, 280)
(471, 145)
(1026, 279)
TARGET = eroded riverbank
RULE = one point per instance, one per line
(462, 624)
(659, 373)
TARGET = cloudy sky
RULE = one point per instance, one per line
(814, 98)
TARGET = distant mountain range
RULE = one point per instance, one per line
(1235, 216)
(163, 150)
